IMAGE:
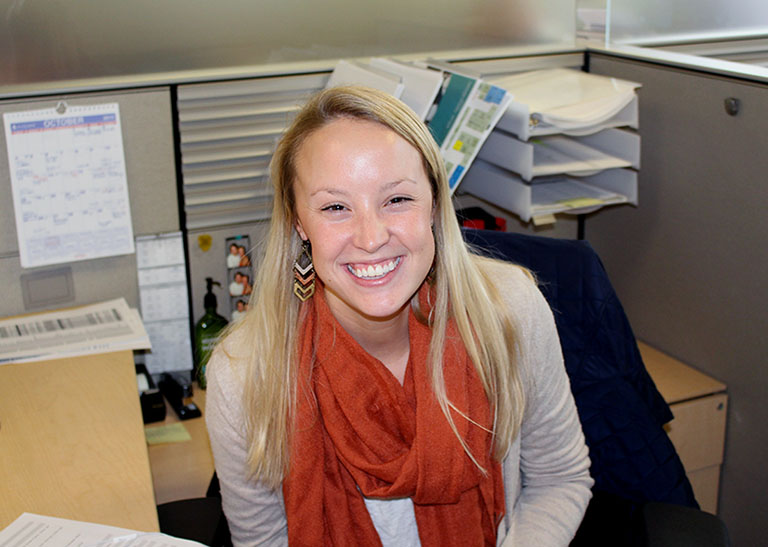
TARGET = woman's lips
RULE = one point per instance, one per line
(373, 271)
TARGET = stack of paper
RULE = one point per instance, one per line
(31, 530)
(460, 110)
(98, 328)
(567, 101)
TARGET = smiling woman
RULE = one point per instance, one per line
(406, 392)
(364, 200)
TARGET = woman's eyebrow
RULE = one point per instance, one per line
(333, 191)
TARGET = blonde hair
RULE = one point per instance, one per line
(463, 292)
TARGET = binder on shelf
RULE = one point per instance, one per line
(567, 101)
(555, 154)
(548, 196)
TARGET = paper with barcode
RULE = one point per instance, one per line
(97, 328)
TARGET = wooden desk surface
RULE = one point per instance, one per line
(72, 442)
(677, 381)
(182, 470)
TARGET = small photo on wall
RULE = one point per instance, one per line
(240, 282)
(238, 305)
(238, 248)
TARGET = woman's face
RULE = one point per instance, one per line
(364, 201)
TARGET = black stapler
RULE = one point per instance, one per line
(178, 392)
(152, 404)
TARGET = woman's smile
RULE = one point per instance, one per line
(373, 271)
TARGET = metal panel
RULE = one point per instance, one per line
(57, 41)
(671, 21)
(228, 131)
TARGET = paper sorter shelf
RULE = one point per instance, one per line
(547, 102)
(557, 154)
(551, 195)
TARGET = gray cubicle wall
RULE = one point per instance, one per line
(150, 167)
(690, 264)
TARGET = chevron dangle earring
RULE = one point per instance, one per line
(304, 273)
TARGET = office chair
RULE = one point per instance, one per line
(641, 495)
(197, 519)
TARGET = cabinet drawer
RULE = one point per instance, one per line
(698, 431)
(705, 483)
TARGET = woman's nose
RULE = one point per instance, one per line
(371, 232)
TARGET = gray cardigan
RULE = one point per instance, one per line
(546, 471)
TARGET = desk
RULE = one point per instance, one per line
(182, 470)
(699, 404)
(72, 442)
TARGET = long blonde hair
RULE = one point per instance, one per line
(268, 334)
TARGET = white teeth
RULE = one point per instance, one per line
(379, 270)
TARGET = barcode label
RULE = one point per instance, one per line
(47, 326)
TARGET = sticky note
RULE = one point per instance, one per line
(170, 433)
(581, 202)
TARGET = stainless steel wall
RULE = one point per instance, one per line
(53, 40)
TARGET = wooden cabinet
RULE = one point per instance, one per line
(699, 404)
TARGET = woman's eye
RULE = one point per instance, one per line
(333, 207)
(399, 199)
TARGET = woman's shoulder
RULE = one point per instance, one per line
(515, 283)
(518, 290)
(226, 366)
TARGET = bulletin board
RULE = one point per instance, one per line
(147, 135)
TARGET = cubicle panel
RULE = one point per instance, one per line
(208, 248)
(147, 134)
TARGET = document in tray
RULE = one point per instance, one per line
(31, 530)
(464, 114)
(566, 101)
(98, 328)
(565, 193)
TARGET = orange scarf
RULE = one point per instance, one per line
(359, 432)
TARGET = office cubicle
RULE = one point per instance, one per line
(112, 51)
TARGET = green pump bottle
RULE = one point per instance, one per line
(207, 331)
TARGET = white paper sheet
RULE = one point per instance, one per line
(420, 85)
(162, 278)
(68, 180)
(98, 328)
(31, 530)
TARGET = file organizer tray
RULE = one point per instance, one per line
(557, 154)
(551, 195)
(519, 121)
(567, 101)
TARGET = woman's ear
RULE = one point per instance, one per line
(300, 230)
